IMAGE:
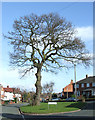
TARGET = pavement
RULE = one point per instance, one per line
(11, 112)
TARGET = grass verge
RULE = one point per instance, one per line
(60, 107)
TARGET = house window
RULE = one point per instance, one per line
(87, 85)
(93, 84)
(82, 85)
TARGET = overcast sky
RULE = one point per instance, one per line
(79, 13)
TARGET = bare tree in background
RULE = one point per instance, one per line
(48, 88)
(46, 43)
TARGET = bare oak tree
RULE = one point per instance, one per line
(44, 42)
(48, 88)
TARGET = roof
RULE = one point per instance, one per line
(87, 80)
(8, 89)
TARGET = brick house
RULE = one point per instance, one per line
(68, 90)
(85, 87)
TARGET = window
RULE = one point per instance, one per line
(93, 84)
(82, 85)
(87, 85)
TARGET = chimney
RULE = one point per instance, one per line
(8, 86)
(86, 76)
(71, 81)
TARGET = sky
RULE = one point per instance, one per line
(79, 13)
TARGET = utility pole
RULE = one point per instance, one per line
(75, 81)
(67, 92)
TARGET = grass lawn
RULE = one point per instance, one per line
(60, 107)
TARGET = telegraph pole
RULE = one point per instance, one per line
(67, 92)
(75, 81)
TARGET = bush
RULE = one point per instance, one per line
(54, 95)
(81, 98)
(73, 96)
(15, 100)
(6, 102)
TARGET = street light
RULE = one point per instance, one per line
(75, 81)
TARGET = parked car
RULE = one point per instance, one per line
(71, 99)
(55, 99)
(42, 100)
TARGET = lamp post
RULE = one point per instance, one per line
(75, 81)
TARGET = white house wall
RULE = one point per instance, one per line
(18, 96)
(8, 96)
(2, 92)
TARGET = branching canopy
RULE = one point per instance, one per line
(45, 41)
(48, 88)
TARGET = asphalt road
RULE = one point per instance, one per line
(11, 112)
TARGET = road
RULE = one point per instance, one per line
(11, 112)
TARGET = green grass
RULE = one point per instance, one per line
(60, 107)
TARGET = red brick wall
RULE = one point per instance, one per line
(69, 87)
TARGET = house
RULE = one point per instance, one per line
(1, 93)
(85, 87)
(9, 94)
(17, 94)
(68, 90)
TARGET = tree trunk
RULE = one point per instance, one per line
(38, 87)
(50, 96)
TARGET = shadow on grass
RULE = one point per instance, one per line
(79, 105)
(42, 109)
(83, 106)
